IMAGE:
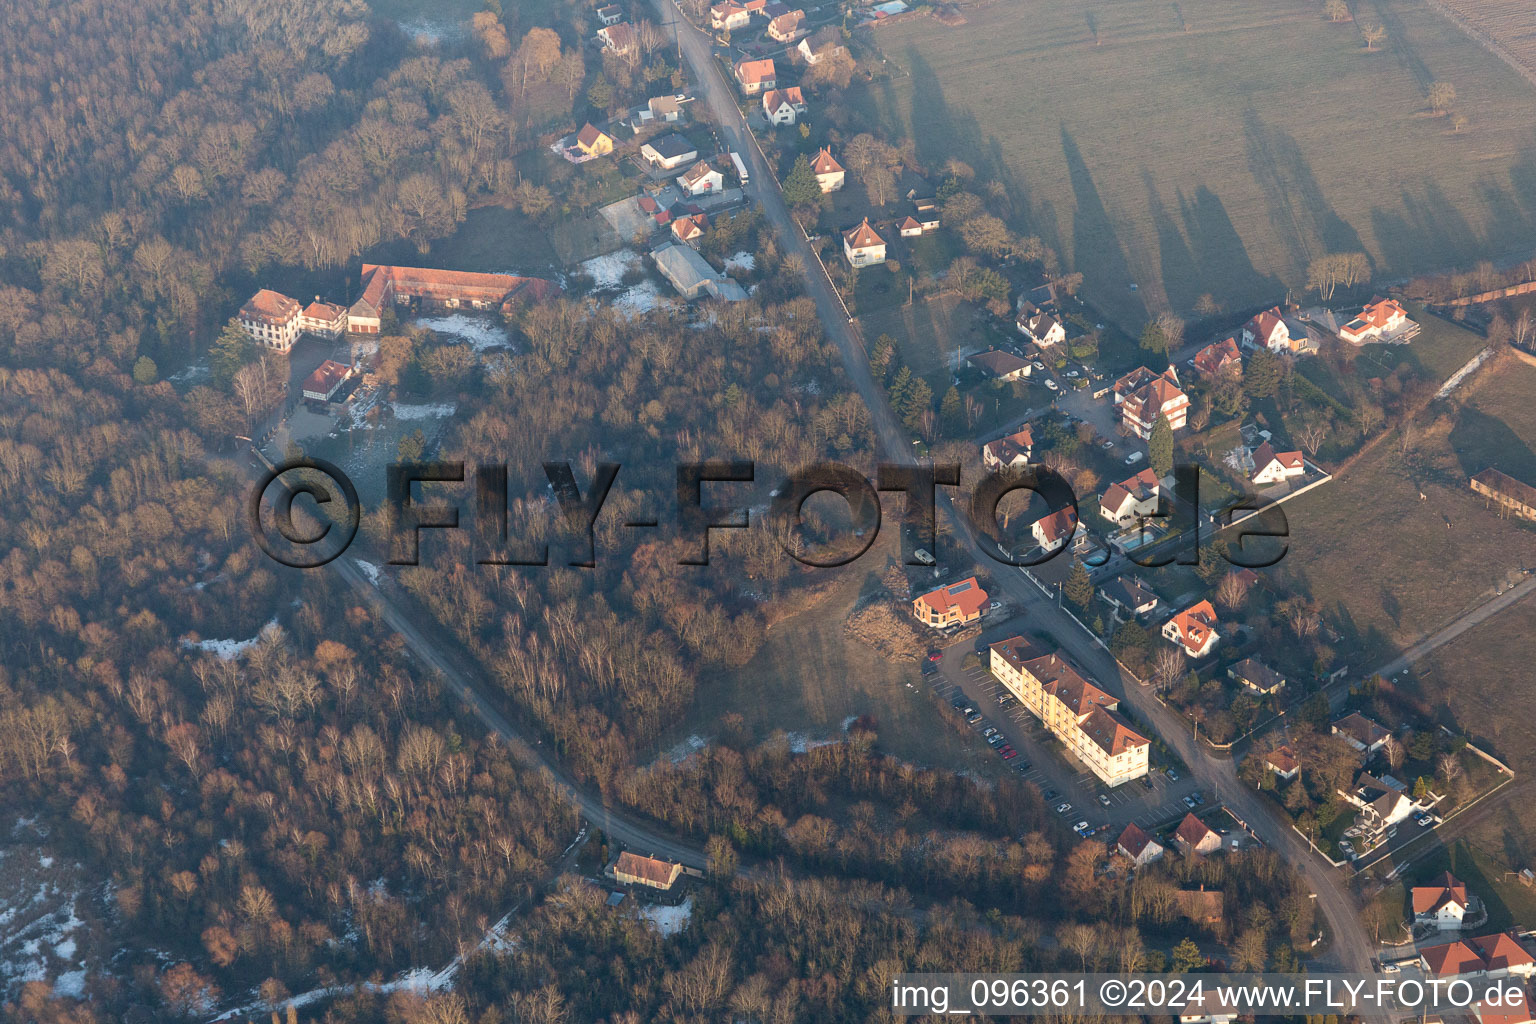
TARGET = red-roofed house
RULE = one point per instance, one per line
(1283, 762)
(862, 246)
(1053, 531)
(325, 319)
(1361, 733)
(756, 75)
(829, 173)
(1011, 452)
(620, 39)
(786, 27)
(1218, 358)
(1510, 1010)
(701, 179)
(953, 605)
(322, 385)
(1131, 498)
(1143, 396)
(686, 229)
(633, 869)
(1268, 330)
(729, 17)
(1195, 838)
(782, 106)
(910, 228)
(271, 319)
(1077, 712)
(1193, 629)
(1381, 318)
(1272, 467)
(593, 141)
(442, 289)
(1493, 956)
(1442, 904)
(1039, 326)
(1139, 847)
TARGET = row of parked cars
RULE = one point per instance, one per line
(995, 739)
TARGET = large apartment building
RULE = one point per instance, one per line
(1079, 714)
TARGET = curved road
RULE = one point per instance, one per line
(1352, 949)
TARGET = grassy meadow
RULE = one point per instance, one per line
(1209, 146)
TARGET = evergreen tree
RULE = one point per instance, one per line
(900, 391)
(1154, 339)
(800, 185)
(881, 355)
(231, 350)
(412, 446)
(951, 409)
(1262, 376)
(145, 371)
(919, 401)
(1160, 447)
(1187, 957)
(1079, 587)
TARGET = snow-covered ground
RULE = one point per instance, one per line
(742, 261)
(368, 569)
(607, 271)
(668, 920)
(431, 411)
(41, 933)
(228, 649)
(637, 300)
(480, 333)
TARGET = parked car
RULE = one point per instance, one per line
(1189, 802)
(1423, 821)
(995, 606)
(1063, 808)
(1173, 775)
(1052, 385)
(1107, 445)
(1009, 754)
(1022, 766)
(989, 732)
(1146, 782)
(936, 656)
(1049, 794)
(1080, 827)
(1133, 458)
(1104, 799)
(973, 717)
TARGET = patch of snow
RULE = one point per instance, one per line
(65, 950)
(429, 29)
(668, 920)
(799, 743)
(368, 569)
(638, 300)
(687, 748)
(849, 721)
(742, 261)
(607, 271)
(70, 984)
(46, 862)
(432, 411)
(479, 332)
(228, 650)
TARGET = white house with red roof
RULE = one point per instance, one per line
(1194, 838)
(786, 28)
(271, 319)
(1218, 358)
(1010, 452)
(322, 385)
(1272, 467)
(1379, 320)
(1491, 956)
(756, 75)
(620, 39)
(783, 106)
(1442, 903)
(862, 246)
(1138, 846)
(1053, 531)
(1283, 762)
(701, 179)
(1268, 330)
(1131, 498)
(1039, 326)
(829, 173)
(1143, 396)
(324, 319)
(1193, 629)
(954, 605)
(729, 17)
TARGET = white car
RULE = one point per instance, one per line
(1051, 384)
(1063, 808)
(1133, 458)
(1073, 373)
(1080, 827)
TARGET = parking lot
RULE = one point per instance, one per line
(1151, 802)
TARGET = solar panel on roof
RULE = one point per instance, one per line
(960, 588)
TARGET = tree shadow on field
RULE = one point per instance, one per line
(1096, 247)
(1182, 282)
(1481, 442)
(1397, 42)
(939, 130)
(1298, 211)
(1221, 259)
(1427, 233)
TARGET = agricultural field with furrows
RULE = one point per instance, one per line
(1510, 23)
(1217, 148)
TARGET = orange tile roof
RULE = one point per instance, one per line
(658, 872)
(1502, 951)
(267, 304)
(1195, 624)
(824, 164)
(1005, 449)
(752, 71)
(326, 376)
(589, 135)
(1016, 651)
(862, 237)
(1143, 485)
(318, 310)
(1057, 526)
(1217, 356)
(621, 36)
(1133, 840)
(1378, 313)
(1111, 733)
(1447, 889)
(965, 595)
(1063, 682)
(1262, 325)
(909, 224)
(690, 227)
(1452, 958)
(1265, 453)
(1192, 830)
(1282, 759)
(382, 282)
(773, 99)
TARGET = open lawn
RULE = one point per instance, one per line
(1208, 146)
(1483, 677)
(496, 239)
(809, 678)
(1485, 869)
(1441, 349)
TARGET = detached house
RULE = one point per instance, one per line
(669, 152)
(1040, 327)
(955, 605)
(1128, 598)
(1272, 467)
(829, 173)
(1492, 956)
(1256, 676)
(729, 17)
(592, 141)
(862, 246)
(1131, 499)
(783, 106)
(999, 364)
(1268, 330)
(1219, 358)
(1283, 762)
(701, 179)
(1143, 396)
(1361, 733)
(815, 49)
(1137, 846)
(632, 869)
(1053, 532)
(1442, 904)
(1011, 452)
(1381, 319)
(1193, 629)
(756, 75)
(619, 39)
(610, 15)
(323, 319)
(271, 319)
(1381, 803)
(1194, 838)
(786, 27)
(690, 227)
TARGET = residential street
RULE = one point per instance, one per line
(1351, 947)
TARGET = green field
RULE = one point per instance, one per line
(1209, 146)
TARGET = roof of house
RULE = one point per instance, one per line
(697, 173)
(1111, 733)
(1006, 449)
(1057, 526)
(1282, 759)
(1153, 397)
(609, 11)
(1484, 953)
(270, 304)
(996, 362)
(1427, 899)
(463, 285)
(752, 71)
(1257, 673)
(1195, 624)
(1192, 830)
(862, 237)
(1265, 454)
(1361, 729)
(1507, 1013)
(1134, 840)
(1140, 378)
(1264, 324)
(1140, 487)
(326, 376)
(318, 310)
(621, 37)
(1378, 312)
(824, 164)
(589, 135)
(690, 226)
(910, 224)
(1506, 485)
(1017, 651)
(1502, 951)
(1203, 906)
(1216, 356)
(1039, 323)
(965, 595)
(1452, 958)
(648, 868)
(1063, 682)
(663, 105)
(1128, 592)
(670, 146)
(773, 99)
(785, 24)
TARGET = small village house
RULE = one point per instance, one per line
(1283, 762)
(1361, 733)
(619, 40)
(820, 46)
(633, 869)
(786, 28)
(1053, 531)
(1256, 677)
(1137, 846)
(666, 109)
(1010, 452)
(1381, 805)
(326, 381)
(1380, 320)
(783, 106)
(669, 152)
(754, 76)
(1193, 629)
(1128, 598)
(1272, 467)
(690, 227)
(610, 15)
(862, 246)
(1131, 499)
(1000, 365)
(1218, 358)
(701, 179)
(957, 604)
(729, 17)
(1040, 327)
(1441, 904)
(829, 173)
(1489, 956)
(323, 319)
(910, 228)
(592, 141)
(1194, 838)
(1268, 330)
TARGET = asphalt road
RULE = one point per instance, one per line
(1351, 948)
